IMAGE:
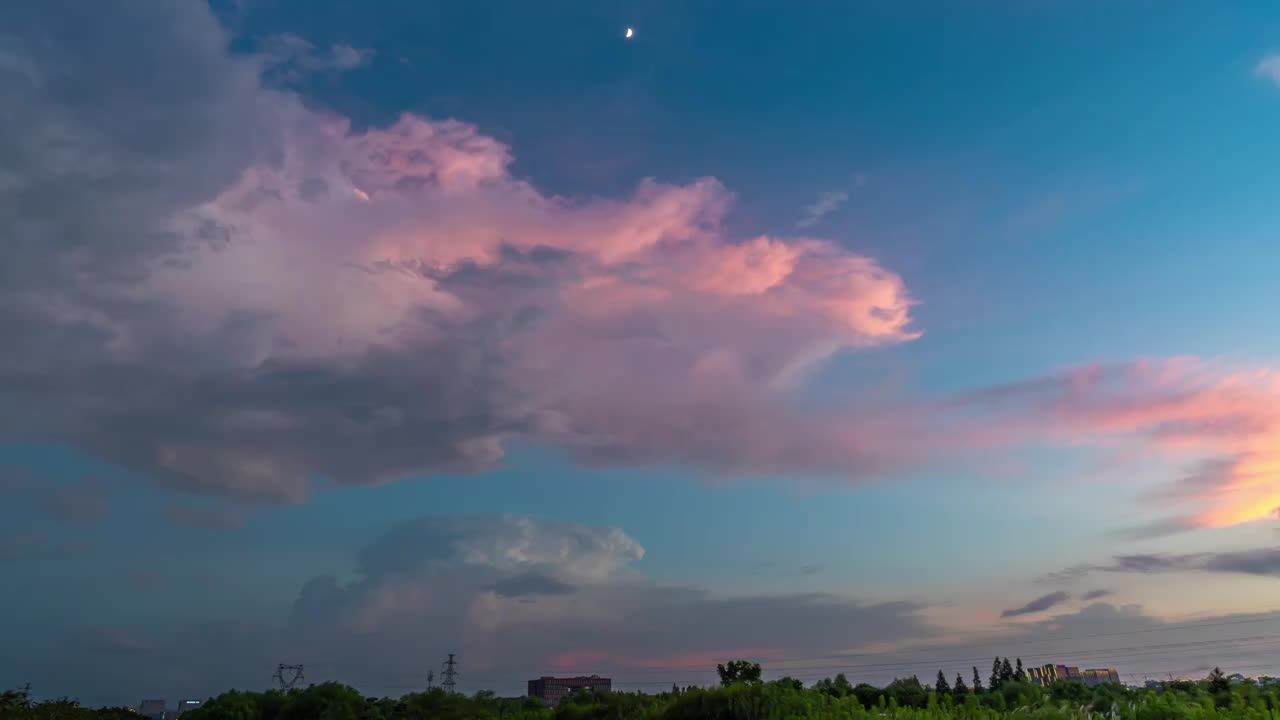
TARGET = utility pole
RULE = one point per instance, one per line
(431, 680)
(287, 676)
(449, 681)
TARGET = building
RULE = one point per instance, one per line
(186, 705)
(552, 689)
(1048, 674)
(1096, 677)
(153, 709)
(1039, 676)
(1068, 672)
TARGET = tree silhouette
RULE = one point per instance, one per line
(941, 686)
(738, 671)
(1218, 682)
(1006, 671)
(977, 681)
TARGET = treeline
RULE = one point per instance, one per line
(743, 695)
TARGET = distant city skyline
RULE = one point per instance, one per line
(632, 338)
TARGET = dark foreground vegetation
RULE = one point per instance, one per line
(742, 696)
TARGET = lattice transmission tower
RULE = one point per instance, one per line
(449, 678)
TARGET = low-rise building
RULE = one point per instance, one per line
(1105, 676)
(553, 689)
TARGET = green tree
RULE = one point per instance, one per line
(738, 671)
(941, 686)
(994, 681)
(959, 691)
(1217, 682)
(1006, 671)
(977, 681)
(1018, 673)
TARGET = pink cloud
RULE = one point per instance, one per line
(629, 329)
(1227, 420)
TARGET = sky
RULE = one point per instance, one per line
(839, 336)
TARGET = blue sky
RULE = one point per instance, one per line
(1070, 203)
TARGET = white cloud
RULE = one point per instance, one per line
(827, 203)
(1269, 67)
(286, 57)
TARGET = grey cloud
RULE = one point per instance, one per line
(1096, 594)
(811, 569)
(1259, 561)
(1040, 604)
(94, 160)
(263, 433)
(531, 584)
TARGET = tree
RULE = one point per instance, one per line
(994, 681)
(1006, 671)
(1218, 682)
(941, 686)
(977, 681)
(959, 691)
(908, 692)
(1018, 673)
(738, 671)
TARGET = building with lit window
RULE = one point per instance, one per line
(1048, 674)
(1100, 677)
(553, 689)
(1068, 672)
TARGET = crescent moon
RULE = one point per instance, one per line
(630, 32)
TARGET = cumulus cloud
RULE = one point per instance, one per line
(234, 294)
(827, 203)
(516, 594)
(1040, 604)
(1269, 68)
(1263, 562)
